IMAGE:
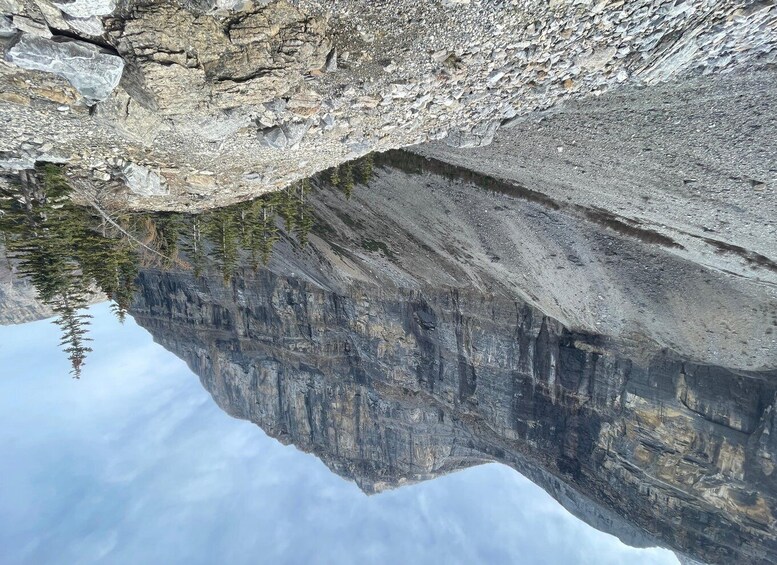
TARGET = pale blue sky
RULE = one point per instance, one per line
(134, 463)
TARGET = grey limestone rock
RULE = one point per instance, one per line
(7, 29)
(285, 135)
(328, 122)
(143, 181)
(33, 27)
(358, 147)
(295, 131)
(12, 162)
(54, 17)
(331, 61)
(274, 138)
(480, 136)
(11, 6)
(92, 71)
(204, 6)
(190, 60)
(86, 8)
(276, 106)
(221, 125)
(87, 26)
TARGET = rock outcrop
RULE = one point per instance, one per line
(92, 71)
(652, 160)
(396, 348)
(211, 91)
(86, 8)
(143, 181)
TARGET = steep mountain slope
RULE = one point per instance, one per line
(395, 360)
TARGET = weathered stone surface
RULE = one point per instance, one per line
(15, 162)
(331, 61)
(192, 60)
(283, 136)
(7, 29)
(11, 6)
(275, 138)
(143, 181)
(54, 17)
(641, 144)
(479, 136)
(205, 6)
(91, 70)
(32, 27)
(328, 122)
(86, 8)
(85, 26)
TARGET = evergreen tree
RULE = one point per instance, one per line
(334, 177)
(223, 232)
(262, 231)
(126, 271)
(56, 247)
(168, 226)
(268, 234)
(304, 217)
(347, 182)
(74, 327)
(194, 244)
(287, 207)
(364, 168)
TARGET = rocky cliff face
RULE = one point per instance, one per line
(395, 360)
(199, 103)
(395, 387)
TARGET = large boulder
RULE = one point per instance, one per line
(285, 135)
(93, 71)
(143, 181)
(90, 27)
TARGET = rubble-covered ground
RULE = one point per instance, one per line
(191, 104)
(691, 167)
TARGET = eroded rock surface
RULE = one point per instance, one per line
(7, 29)
(92, 71)
(143, 181)
(198, 77)
(411, 338)
(86, 8)
(691, 163)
